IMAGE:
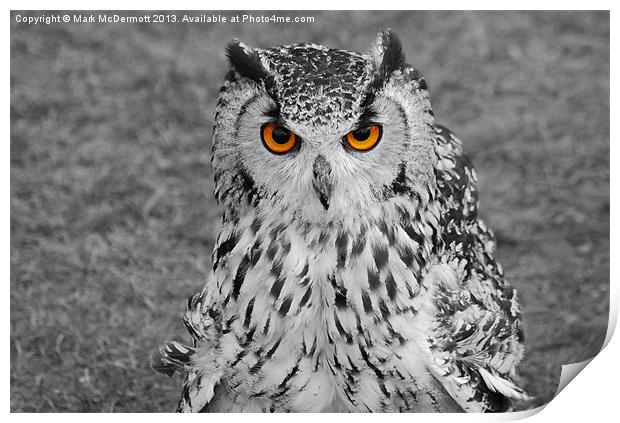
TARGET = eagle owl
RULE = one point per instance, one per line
(351, 271)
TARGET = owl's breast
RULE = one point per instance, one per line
(311, 314)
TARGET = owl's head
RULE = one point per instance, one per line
(319, 135)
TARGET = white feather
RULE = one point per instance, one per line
(501, 385)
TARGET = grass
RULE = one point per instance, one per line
(112, 215)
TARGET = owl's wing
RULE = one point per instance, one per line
(203, 321)
(475, 338)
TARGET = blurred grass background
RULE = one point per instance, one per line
(112, 215)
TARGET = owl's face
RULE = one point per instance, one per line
(321, 135)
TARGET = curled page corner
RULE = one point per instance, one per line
(613, 319)
(569, 371)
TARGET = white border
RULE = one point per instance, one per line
(593, 394)
(316, 5)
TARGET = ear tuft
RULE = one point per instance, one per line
(388, 53)
(246, 61)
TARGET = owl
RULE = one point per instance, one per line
(351, 272)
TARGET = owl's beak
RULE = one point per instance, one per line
(322, 182)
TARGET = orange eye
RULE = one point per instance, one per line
(277, 139)
(364, 138)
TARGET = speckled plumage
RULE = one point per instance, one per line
(389, 299)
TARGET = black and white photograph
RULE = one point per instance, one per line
(306, 211)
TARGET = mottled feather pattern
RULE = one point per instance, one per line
(477, 337)
(391, 299)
